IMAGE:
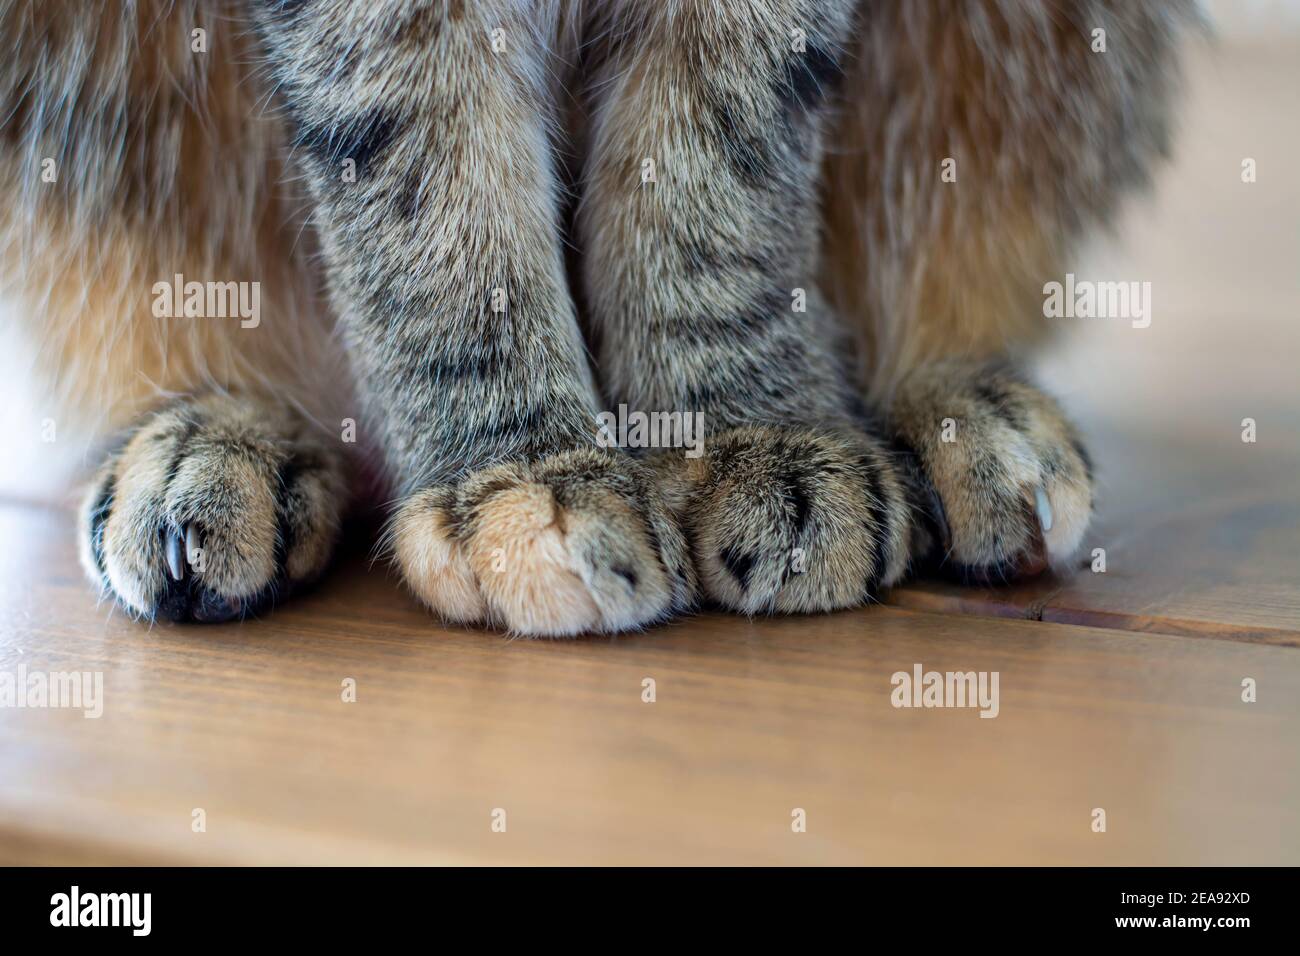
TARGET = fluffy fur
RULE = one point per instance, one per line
(463, 187)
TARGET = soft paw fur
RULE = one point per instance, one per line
(792, 519)
(574, 543)
(1012, 488)
(213, 508)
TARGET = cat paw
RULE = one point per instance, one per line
(1010, 482)
(791, 519)
(213, 508)
(576, 542)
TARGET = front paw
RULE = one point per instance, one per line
(1011, 481)
(792, 519)
(573, 543)
(212, 509)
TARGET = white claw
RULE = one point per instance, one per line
(172, 549)
(1044, 508)
(192, 544)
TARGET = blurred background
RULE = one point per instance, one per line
(1164, 404)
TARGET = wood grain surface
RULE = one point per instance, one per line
(752, 719)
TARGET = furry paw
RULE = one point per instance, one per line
(573, 543)
(212, 509)
(792, 519)
(1010, 482)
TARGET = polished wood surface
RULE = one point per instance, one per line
(752, 719)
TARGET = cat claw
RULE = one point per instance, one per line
(193, 544)
(181, 550)
(172, 549)
(1044, 509)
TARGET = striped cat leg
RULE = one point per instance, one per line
(423, 131)
(699, 228)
